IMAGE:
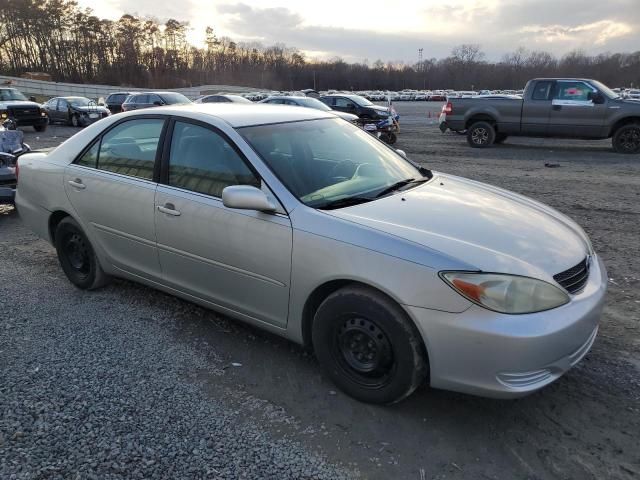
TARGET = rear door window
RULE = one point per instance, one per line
(542, 91)
(130, 148)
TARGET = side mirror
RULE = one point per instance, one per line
(246, 197)
(596, 97)
(158, 103)
(32, 99)
(402, 153)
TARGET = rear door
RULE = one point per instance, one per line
(112, 188)
(237, 259)
(536, 109)
(573, 113)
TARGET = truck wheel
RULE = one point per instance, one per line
(481, 135)
(368, 346)
(627, 139)
(39, 128)
(500, 137)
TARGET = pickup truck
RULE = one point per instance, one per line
(550, 107)
(22, 111)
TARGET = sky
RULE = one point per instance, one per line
(394, 31)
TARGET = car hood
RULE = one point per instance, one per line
(89, 109)
(493, 230)
(19, 103)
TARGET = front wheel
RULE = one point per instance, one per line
(367, 346)
(76, 256)
(481, 135)
(75, 121)
(627, 139)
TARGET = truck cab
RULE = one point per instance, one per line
(550, 107)
(24, 112)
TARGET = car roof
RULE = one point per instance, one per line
(243, 114)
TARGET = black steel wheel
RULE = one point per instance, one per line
(627, 139)
(367, 345)
(77, 257)
(481, 135)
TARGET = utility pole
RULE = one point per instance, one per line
(421, 67)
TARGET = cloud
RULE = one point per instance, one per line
(603, 31)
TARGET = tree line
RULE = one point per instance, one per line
(72, 44)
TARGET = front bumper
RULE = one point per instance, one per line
(508, 356)
(7, 194)
(31, 122)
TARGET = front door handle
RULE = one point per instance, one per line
(169, 209)
(77, 183)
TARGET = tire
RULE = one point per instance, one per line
(500, 138)
(389, 138)
(369, 348)
(77, 257)
(481, 135)
(40, 128)
(75, 121)
(627, 139)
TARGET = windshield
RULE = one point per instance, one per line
(172, 98)
(313, 103)
(606, 91)
(79, 101)
(325, 161)
(7, 94)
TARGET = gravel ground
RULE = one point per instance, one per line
(127, 382)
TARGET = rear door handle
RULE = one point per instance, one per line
(77, 183)
(169, 209)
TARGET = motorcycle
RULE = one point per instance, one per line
(386, 130)
(12, 147)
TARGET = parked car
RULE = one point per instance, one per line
(356, 105)
(115, 100)
(140, 100)
(437, 97)
(308, 102)
(222, 98)
(22, 111)
(302, 224)
(76, 111)
(550, 107)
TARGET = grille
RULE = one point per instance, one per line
(24, 113)
(574, 279)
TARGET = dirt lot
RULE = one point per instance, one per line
(585, 426)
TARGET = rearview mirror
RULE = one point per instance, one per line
(246, 197)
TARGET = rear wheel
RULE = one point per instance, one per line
(368, 346)
(76, 256)
(481, 135)
(627, 139)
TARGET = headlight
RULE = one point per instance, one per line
(502, 293)
(3, 115)
(43, 113)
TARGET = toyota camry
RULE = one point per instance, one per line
(300, 223)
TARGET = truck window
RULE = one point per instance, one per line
(541, 90)
(573, 91)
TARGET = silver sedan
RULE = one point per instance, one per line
(300, 223)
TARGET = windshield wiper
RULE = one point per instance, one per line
(344, 202)
(398, 185)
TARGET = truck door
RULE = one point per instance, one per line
(573, 112)
(536, 108)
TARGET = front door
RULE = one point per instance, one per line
(238, 259)
(537, 108)
(573, 113)
(112, 189)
